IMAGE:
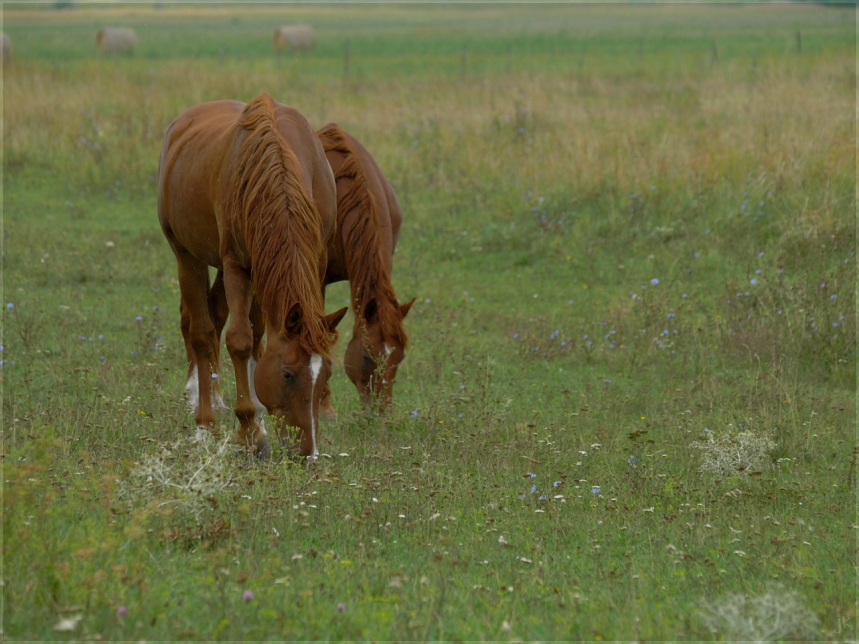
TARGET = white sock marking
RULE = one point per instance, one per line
(192, 390)
(259, 416)
(315, 368)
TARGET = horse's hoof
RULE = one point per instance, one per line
(263, 449)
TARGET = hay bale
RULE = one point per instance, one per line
(116, 40)
(294, 38)
(7, 47)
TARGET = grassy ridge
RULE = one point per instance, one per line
(635, 263)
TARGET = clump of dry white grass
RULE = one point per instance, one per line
(732, 455)
(185, 475)
(777, 614)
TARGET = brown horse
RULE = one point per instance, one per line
(368, 225)
(246, 188)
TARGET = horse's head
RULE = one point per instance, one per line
(292, 383)
(372, 359)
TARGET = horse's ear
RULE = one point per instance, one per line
(371, 310)
(292, 323)
(405, 308)
(333, 319)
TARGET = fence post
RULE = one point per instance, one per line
(346, 60)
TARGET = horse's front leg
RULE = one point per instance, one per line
(240, 344)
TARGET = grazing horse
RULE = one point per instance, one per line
(368, 225)
(246, 188)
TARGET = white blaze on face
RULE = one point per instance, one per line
(259, 416)
(315, 369)
(192, 390)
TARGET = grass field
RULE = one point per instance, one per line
(629, 406)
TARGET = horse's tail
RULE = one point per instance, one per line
(282, 226)
(369, 276)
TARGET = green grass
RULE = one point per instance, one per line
(584, 153)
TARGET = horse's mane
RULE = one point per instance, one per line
(369, 276)
(282, 226)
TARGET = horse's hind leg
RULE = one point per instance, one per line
(192, 382)
(219, 312)
(200, 339)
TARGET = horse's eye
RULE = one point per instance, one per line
(288, 377)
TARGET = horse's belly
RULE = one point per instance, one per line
(199, 235)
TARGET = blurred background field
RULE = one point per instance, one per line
(629, 406)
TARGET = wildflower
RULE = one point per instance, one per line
(670, 316)
(761, 253)
(10, 305)
(214, 376)
(556, 484)
(665, 332)
(685, 296)
(833, 297)
(533, 489)
(596, 489)
(632, 460)
(414, 414)
(139, 318)
(654, 281)
(753, 281)
(706, 431)
(515, 336)
(521, 497)
(122, 611)
(697, 255)
(247, 595)
(340, 607)
(823, 285)
(564, 343)
(531, 475)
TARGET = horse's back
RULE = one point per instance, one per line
(388, 213)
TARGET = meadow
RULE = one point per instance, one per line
(628, 410)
